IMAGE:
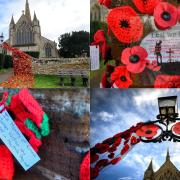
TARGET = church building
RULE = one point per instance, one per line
(167, 171)
(26, 35)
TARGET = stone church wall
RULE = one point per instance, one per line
(53, 66)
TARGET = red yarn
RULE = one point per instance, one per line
(6, 164)
(106, 3)
(146, 6)
(125, 24)
(85, 168)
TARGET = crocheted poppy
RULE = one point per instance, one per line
(166, 81)
(94, 172)
(121, 77)
(125, 24)
(176, 128)
(125, 149)
(133, 140)
(134, 58)
(106, 3)
(148, 131)
(116, 160)
(85, 168)
(146, 6)
(6, 163)
(165, 15)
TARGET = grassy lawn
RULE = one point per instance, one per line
(53, 81)
(5, 70)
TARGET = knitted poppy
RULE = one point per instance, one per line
(134, 58)
(125, 149)
(102, 163)
(106, 3)
(112, 149)
(153, 65)
(94, 158)
(116, 160)
(148, 131)
(176, 128)
(121, 77)
(94, 172)
(167, 81)
(125, 24)
(85, 168)
(165, 15)
(134, 140)
(146, 6)
(102, 148)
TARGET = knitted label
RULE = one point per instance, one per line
(94, 53)
(16, 142)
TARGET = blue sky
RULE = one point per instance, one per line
(56, 16)
(113, 111)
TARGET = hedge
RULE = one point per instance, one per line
(34, 54)
(5, 61)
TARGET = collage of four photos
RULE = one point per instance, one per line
(89, 90)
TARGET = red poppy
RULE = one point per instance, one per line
(148, 131)
(106, 3)
(94, 158)
(102, 148)
(117, 142)
(134, 58)
(153, 65)
(84, 168)
(102, 163)
(116, 160)
(146, 6)
(134, 140)
(176, 128)
(125, 24)
(94, 172)
(112, 149)
(121, 77)
(125, 149)
(165, 15)
(166, 81)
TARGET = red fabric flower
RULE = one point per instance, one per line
(102, 148)
(102, 163)
(134, 140)
(125, 24)
(112, 149)
(116, 160)
(94, 158)
(148, 131)
(146, 6)
(176, 128)
(165, 15)
(106, 3)
(134, 58)
(84, 168)
(166, 81)
(153, 65)
(121, 77)
(125, 149)
(94, 172)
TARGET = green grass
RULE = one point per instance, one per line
(53, 81)
(5, 70)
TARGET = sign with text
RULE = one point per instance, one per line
(163, 46)
(16, 142)
(94, 55)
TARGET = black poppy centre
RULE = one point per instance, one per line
(123, 78)
(134, 58)
(148, 132)
(124, 23)
(166, 16)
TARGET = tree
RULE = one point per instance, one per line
(74, 44)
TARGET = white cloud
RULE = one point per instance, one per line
(56, 16)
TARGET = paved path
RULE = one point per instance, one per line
(6, 75)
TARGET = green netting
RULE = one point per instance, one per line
(31, 125)
(45, 125)
(9, 100)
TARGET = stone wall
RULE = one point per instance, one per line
(53, 66)
(62, 151)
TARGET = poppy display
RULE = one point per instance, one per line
(121, 77)
(85, 168)
(146, 6)
(134, 58)
(148, 131)
(165, 15)
(176, 128)
(153, 65)
(125, 24)
(106, 3)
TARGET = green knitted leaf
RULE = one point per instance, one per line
(31, 125)
(9, 100)
(45, 125)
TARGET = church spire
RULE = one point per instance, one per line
(35, 17)
(12, 20)
(150, 167)
(167, 156)
(27, 11)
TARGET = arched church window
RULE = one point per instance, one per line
(24, 34)
(48, 50)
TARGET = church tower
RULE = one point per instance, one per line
(11, 30)
(149, 173)
(166, 172)
(27, 11)
(36, 29)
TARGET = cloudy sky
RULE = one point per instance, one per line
(56, 16)
(113, 111)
